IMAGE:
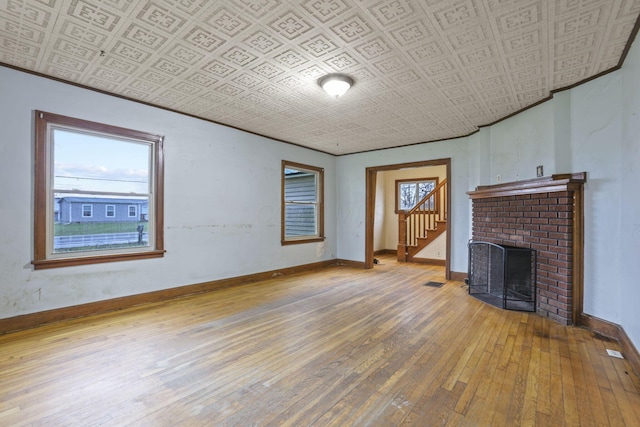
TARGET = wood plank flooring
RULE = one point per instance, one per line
(337, 347)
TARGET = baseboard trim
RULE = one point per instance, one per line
(430, 261)
(349, 263)
(617, 332)
(27, 321)
(393, 252)
(458, 276)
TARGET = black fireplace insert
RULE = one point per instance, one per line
(504, 276)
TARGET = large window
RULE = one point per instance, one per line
(410, 191)
(302, 203)
(93, 183)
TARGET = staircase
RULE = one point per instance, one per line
(421, 225)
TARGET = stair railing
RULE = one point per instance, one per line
(424, 216)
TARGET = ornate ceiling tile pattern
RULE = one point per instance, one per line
(425, 70)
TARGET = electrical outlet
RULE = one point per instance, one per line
(499, 178)
(615, 353)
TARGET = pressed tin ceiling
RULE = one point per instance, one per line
(424, 70)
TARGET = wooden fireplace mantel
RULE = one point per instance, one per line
(547, 184)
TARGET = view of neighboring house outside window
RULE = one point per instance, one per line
(82, 209)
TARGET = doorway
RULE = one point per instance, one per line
(371, 184)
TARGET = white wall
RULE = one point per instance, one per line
(436, 249)
(596, 144)
(380, 218)
(605, 141)
(630, 206)
(222, 201)
(521, 143)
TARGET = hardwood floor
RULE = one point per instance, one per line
(336, 347)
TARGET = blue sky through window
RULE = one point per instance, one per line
(89, 162)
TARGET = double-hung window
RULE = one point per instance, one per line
(87, 211)
(411, 191)
(302, 203)
(93, 182)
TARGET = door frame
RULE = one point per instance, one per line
(371, 179)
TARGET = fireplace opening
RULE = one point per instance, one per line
(504, 276)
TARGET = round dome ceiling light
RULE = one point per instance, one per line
(336, 84)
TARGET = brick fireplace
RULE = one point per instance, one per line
(544, 214)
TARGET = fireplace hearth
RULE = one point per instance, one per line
(504, 276)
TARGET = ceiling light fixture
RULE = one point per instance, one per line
(336, 84)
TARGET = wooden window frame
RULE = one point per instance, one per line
(416, 180)
(106, 211)
(319, 237)
(135, 211)
(43, 226)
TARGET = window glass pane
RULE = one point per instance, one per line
(300, 186)
(110, 167)
(300, 194)
(425, 188)
(75, 231)
(87, 162)
(300, 220)
(407, 195)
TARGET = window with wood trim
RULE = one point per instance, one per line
(98, 193)
(302, 203)
(410, 191)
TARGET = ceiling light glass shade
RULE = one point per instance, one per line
(336, 84)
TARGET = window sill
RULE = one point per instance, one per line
(68, 262)
(298, 241)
